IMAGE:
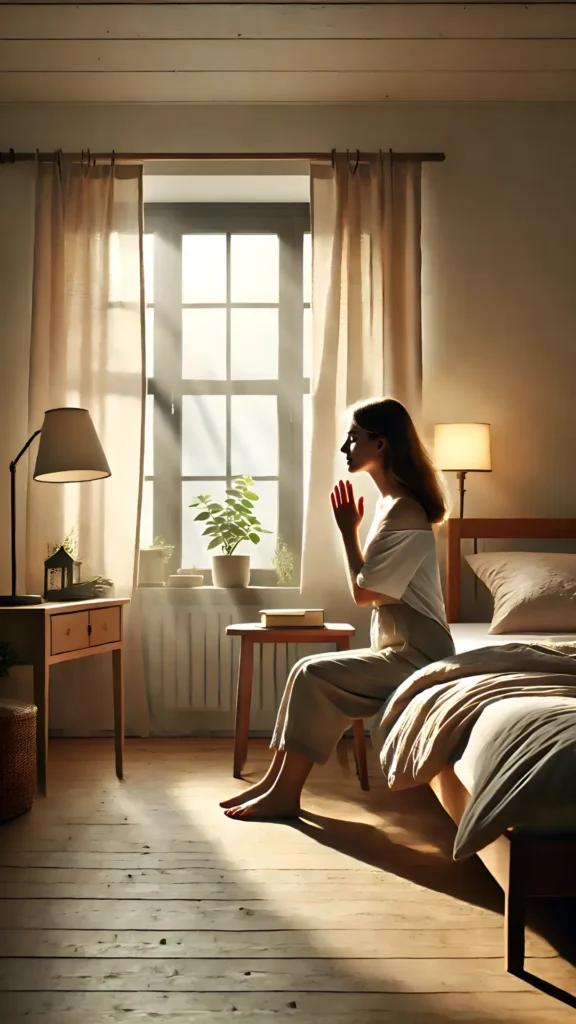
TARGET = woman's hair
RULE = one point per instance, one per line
(405, 455)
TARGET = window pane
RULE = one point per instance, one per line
(204, 268)
(255, 268)
(254, 344)
(149, 342)
(203, 435)
(149, 268)
(149, 437)
(307, 334)
(267, 511)
(147, 517)
(307, 267)
(255, 435)
(204, 344)
(194, 545)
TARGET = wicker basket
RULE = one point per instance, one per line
(17, 758)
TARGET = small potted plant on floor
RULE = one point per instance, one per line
(228, 525)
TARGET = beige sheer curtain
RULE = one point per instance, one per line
(366, 315)
(87, 349)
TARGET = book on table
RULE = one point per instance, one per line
(297, 618)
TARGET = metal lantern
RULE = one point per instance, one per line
(61, 571)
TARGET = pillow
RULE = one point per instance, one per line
(533, 592)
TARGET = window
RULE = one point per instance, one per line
(228, 365)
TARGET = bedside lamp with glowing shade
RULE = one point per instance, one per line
(462, 448)
(69, 452)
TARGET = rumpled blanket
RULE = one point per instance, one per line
(429, 715)
(521, 756)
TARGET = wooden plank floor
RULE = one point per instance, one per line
(140, 901)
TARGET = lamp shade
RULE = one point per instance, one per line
(69, 450)
(463, 447)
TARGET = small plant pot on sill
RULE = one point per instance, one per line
(231, 570)
(152, 568)
(183, 580)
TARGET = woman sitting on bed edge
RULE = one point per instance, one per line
(397, 573)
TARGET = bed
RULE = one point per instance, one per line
(527, 863)
(469, 636)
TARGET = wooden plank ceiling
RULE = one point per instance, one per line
(293, 52)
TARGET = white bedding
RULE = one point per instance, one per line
(496, 719)
(513, 764)
(470, 635)
(519, 767)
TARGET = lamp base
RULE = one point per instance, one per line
(19, 600)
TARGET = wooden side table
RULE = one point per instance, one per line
(45, 634)
(252, 633)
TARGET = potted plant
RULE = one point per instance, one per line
(228, 525)
(152, 563)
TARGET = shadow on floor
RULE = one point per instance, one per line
(468, 881)
(546, 987)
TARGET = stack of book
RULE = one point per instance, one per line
(298, 618)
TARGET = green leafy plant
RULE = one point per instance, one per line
(6, 657)
(283, 562)
(164, 546)
(70, 544)
(229, 524)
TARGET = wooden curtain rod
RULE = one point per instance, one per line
(126, 158)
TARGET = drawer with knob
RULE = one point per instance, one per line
(69, 632)
(104, 626)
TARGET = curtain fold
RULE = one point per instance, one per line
(87, 349)
(366, 323)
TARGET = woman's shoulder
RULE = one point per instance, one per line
(405, 514)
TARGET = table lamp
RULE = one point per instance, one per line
(462, 448)
(69, 451)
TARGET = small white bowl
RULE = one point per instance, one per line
(186, 580)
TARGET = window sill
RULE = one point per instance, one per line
(236, 597)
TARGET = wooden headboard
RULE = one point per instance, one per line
(458, 530)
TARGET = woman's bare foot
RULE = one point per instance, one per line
(259, 788)
(275, 805)
(252, 793)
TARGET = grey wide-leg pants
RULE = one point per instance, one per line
(325, 692)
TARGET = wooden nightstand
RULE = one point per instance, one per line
(46, 634)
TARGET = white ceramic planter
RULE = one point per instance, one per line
(151, 567)
(231, 570)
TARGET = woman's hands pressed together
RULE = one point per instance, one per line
(347, 513)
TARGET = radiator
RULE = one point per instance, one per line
(193, 665)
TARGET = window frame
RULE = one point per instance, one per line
(169, 222)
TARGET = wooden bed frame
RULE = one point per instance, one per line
(526, 865)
